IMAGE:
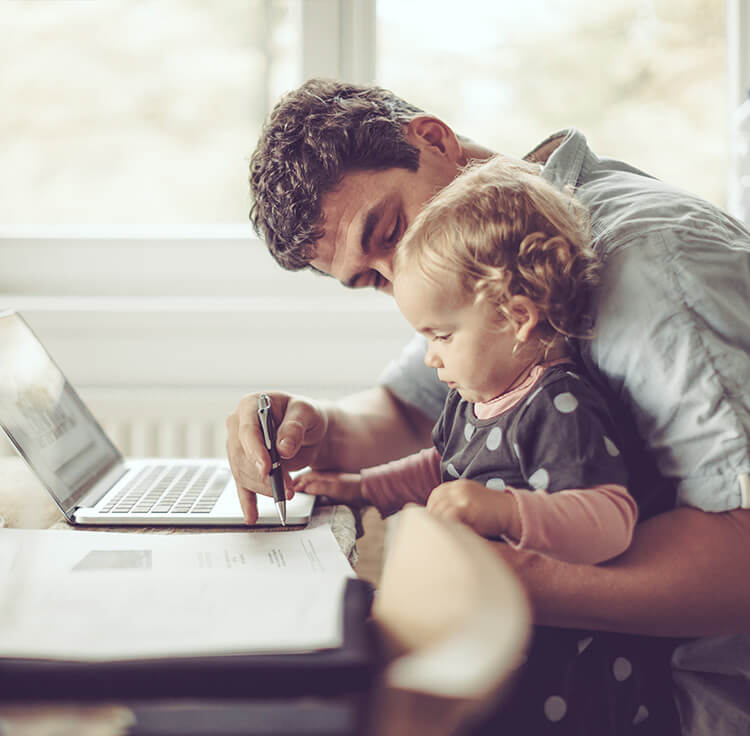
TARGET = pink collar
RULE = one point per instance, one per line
(500, 404)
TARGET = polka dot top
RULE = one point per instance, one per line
(559, 437)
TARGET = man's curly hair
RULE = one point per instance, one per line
(313, 137)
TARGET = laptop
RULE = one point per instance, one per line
(56, 434)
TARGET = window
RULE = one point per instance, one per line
(137, 112)
(644, 80)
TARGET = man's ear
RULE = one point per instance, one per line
(430, 133)
(524, 316)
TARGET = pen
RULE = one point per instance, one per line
(265, 417)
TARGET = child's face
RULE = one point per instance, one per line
(468, 343)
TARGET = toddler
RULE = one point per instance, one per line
(497, 272)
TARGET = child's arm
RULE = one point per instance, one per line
(341, 487)
(388, 487)
(580, 526)
(411, 479)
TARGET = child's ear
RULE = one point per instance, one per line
(524, 316)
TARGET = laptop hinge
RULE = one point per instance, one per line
(100, 487)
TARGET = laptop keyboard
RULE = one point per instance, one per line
(182, 489)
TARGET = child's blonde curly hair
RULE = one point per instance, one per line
(502, 230)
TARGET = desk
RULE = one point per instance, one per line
(24, 504)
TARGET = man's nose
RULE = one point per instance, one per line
(384, 266)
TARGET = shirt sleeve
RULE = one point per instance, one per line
(409, 480)
(580, 526)
(673, 341)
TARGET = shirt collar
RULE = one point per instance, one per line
(565, 155)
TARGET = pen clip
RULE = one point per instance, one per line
(264, 409)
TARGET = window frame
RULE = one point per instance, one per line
(738, 54)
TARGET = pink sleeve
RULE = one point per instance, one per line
(410, 479)
(580, 526)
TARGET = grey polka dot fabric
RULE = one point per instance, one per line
(559, 437)
(589, 683)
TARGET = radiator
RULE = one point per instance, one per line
(167, 437)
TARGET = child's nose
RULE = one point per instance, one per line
(431, 360)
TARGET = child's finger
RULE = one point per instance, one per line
(304, 479)
(306, 484)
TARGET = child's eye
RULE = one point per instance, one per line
(442, 338)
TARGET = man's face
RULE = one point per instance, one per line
(365, 217)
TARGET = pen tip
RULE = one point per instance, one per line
(281, 508)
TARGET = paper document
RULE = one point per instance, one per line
(298, 552)
(93, 596)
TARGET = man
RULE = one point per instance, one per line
(339, 173)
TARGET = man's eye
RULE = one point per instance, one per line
(395, 233)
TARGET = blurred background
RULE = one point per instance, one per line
(126, 129)
(145, 111)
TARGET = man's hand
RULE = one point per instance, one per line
(302, 428)
(488, 512)
(340, 487)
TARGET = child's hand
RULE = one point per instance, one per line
(487, 511)
(340, 487)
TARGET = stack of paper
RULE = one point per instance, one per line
(94, 596)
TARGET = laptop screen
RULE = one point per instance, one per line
(45, 419)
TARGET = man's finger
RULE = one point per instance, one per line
(290, 438)
(249, 504)
(303, 424)
(247, 478)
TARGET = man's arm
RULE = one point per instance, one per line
(685, 574)
(370, 428)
